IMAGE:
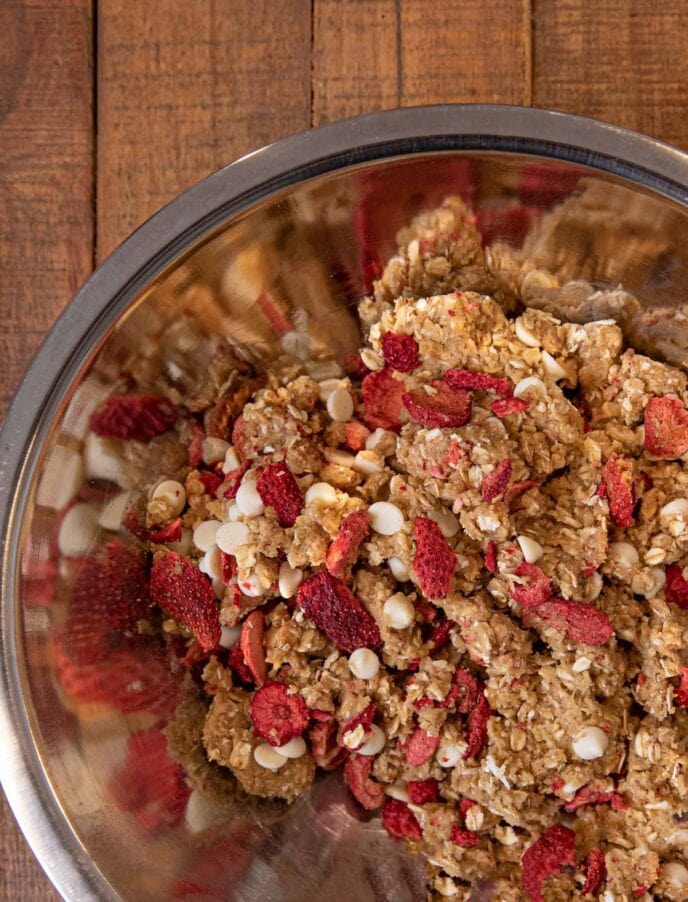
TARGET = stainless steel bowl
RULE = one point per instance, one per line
(285, 238)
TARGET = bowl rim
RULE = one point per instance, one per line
(180, 224)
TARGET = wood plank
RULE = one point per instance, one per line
(623, 63)
(184, 88)
(46, 219)
(375, 54)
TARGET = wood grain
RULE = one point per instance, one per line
(623, 61)
(184, 87)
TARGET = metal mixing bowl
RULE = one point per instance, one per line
(285, 238)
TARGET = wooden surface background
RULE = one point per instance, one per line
(108, 108)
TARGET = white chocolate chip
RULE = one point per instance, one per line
(232, 536)
(447, 522)
(289, 580)
(375, 743)
(398, 791)
(364, 663)
(230, 636)
(268, 757)
(252, 587)
(385, 518)
(231, 462)
(381, 441)
(184, 545)
(295, 748)
(113, 512)
(367, 463)
(321, 492)
(399, 611)
(552, 367)
(532, 550)
(205, 534)
(675, 874)
(233, 513)
(213, 449)
(581, 664)
(450, 755)
(590, 744)
(340, 405)
(201, 813)
(101, 460)
(248, 500)
(399, 569)
(524, 334)
(531, 385)
(594, 587)
(676, 508)
(624, 553)
(211, 563)
(172, 493)
(78, 531)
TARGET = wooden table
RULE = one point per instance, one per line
(110, 108)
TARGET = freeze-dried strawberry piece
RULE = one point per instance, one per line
(666, 428)
(434, 561)
(399, 820)
(356, 434)
(496, 481)
(536, 591)
(440, 635)
(580, 622)
(336, 611)
(420, 747)
(364, 719)
(554, 850)
(467, 690)
(423, 791)
(211, 481)
(227, 567)
(400, 352)
(320, 716)
(239, 440)
(382, 399)
(279, 489)
(251, 644)
(180, 590)
(504, 407)
(676, 587)
(238, 665)
(229, 488)
(344, 549)
(467, 839)
(138, 417)
(150, 786)
(476, 728)
(365, 790)
(471, 381)
(681, 693)
(617, 475)
(447, 407)
(322, 740)
(516, 489)
(277, 715)
(465, 806)
(172, 532)
(491, 557)
(587, 795)
(595, 872)
(196, 445)
(354, 366)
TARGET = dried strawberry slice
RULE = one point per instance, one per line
(227, 567)
(320, 716)
(586, 795)
(467, 839)
(681, 693)
(595, 872)
(617, 475)
(229, 488)
(138, 417)
(180, 590)
(196, 445)
(172, 532)
(465, 806)
(472, 381)
(676, 587)
(491, 557)
(400, 352)
(666, 428)
(365, 790)
(476, 728)
(580, 622)
(423, 791)
(516, 489)
(251, 644)
(356, 435)
(496, 481)
(277, 715)
(536, 591)
(344, 549)
(420, 747)
(239, 667)
(322, 739)
(400, 821)
(448, 407)
(279, 489)
(336, 611)
(467, 690)
(504, 407)
(211, 481)
(434, 562)
(554, 850)
(440, 635)
(364, 719)
(382, 399)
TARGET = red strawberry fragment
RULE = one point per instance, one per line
(472, 381)
(504, 407)
(595, 872)
(666, 428)
(364, 719)
(251, 644)
(227, 567)
(516, 489)
(554, 850)
(400, 821)
(278, 488)
(172, 532)
(423, 791)
(364, 789)
(447, 407)
(400, 352)
(344, 549)
(467, 839)
(277, 715)
(587, 795)
(466, 690)
(382, 399)
(336, 611)
(180, 590)
(238, 666)
(440, 635)
(229, 488)
(196, 445)
(138, 417)
(211, 481)
(681, 693)
(420, 747)
(580, 622)
(434, 561)
(491, 557)
(356, 435)
(322, 740)
(676, 587)
(536, 591)
(496, 481)
(476, 728)
(465, 806)
(617, 475)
